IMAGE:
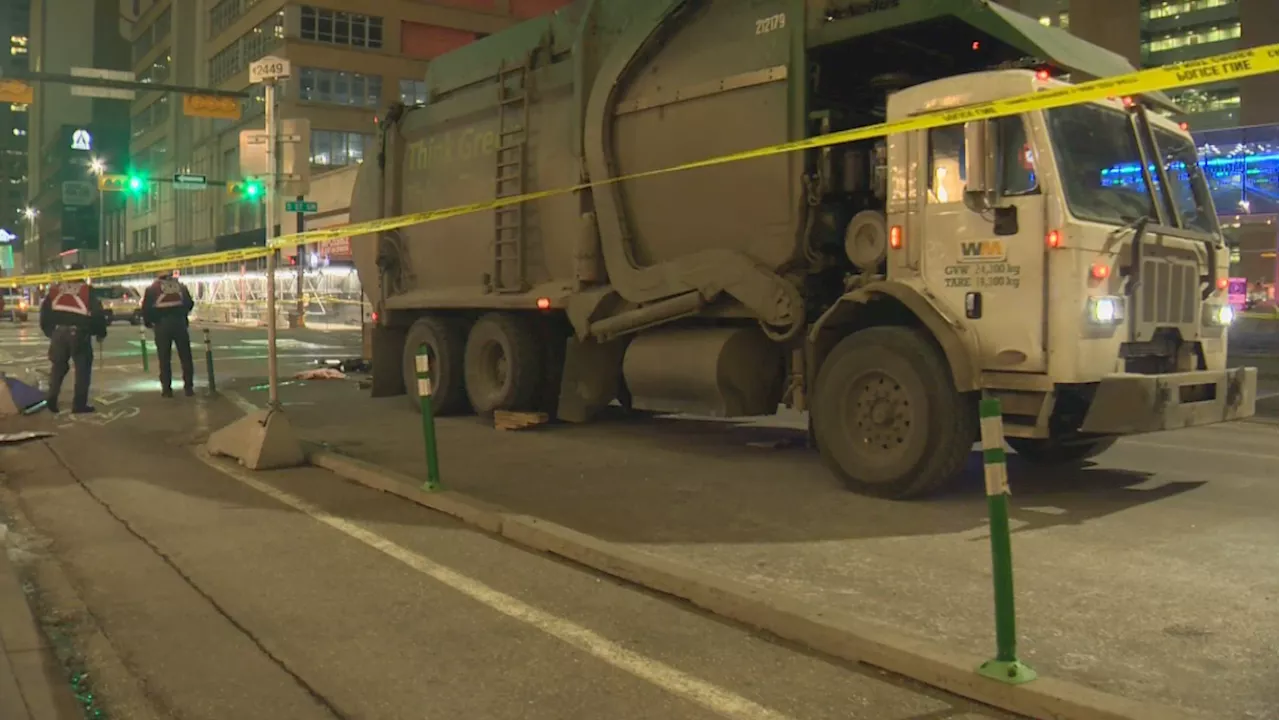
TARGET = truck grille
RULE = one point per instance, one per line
(1169, 292)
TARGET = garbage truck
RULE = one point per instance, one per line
(1067, 262)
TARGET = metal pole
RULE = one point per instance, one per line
(1005, 667)
(302, 308)
(272, 188)
(102, 227)
(208, 362)
(428, 419)
(142, 344)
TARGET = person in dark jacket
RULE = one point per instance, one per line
(165, 307)
(70, 316)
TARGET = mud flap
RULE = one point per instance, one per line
(591, 380)
(386, 355)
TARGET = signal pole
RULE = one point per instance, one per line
(268, 71)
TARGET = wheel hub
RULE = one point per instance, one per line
(882, 411)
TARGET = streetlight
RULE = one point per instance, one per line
(30, 214)
(99, 168)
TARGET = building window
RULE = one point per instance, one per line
(235, 58)
(341, 28)
(1169, 9)
(152, 35)
(334, 148)
(158, 72)
(17, 107)
(413, 92)
(339, 87)
(151, 116)
(224, 14)
(1183, 38)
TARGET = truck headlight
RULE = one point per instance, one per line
(1218, 315)
(1106, 310)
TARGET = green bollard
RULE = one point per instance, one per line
(1006, 667)
(428, 419)
(142, 345)
(208, 362)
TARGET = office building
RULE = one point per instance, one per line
(350, 59)
(1160, 32)
(15, 19)
(68, 130)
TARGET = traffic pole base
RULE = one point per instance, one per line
(263, 440)
(1010, 672)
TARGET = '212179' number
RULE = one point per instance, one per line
(771, 23)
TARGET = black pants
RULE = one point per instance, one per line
(70, 345)
(171, 331)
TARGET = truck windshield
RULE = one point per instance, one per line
(1099, 163)
(1190, 189)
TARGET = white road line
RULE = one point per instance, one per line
(711, 697)
(236, 399)
(202, 417)
(1214, 451)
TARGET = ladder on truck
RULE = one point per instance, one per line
(512, 146)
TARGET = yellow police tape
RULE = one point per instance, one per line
(1234, 65)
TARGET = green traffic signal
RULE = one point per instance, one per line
(252, 189)
(136, 183)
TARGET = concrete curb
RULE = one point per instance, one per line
(841, 636)
(31, 677)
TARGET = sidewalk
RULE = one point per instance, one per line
(33, 684)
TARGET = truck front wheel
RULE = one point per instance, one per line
(445, 340)
(1050, 451)
(504, 364)
(887, 418)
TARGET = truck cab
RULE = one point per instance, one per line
(1079, 249)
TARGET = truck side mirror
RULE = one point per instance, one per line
(979, 174)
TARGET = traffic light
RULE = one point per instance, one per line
(136, 183)
(113, 183)
(246, 189)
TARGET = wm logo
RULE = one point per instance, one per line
(982, 251)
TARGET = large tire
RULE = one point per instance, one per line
(504, 365)
(1050, 452)
(886, 415)
(446, 343)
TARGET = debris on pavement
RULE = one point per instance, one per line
(348, 365)
(509, 420)
(19, 437)
(320, 374)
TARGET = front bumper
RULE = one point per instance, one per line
(1126, 404)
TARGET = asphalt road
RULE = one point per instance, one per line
(1150, 572)
(224, 594)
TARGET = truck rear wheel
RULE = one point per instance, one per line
(445, 341)
(886, 416)
(503, 364)
(1050, 451)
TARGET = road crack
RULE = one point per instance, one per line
(167, 560)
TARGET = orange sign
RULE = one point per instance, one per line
(338, 248)
(222, 108)
(13, 91)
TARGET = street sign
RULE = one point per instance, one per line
(221, 108)
(188, 181)
(101, 92)
(113, 183)
(269, 69)
(295, 155)
(12, 91)
(306, 206)
(77, 193)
